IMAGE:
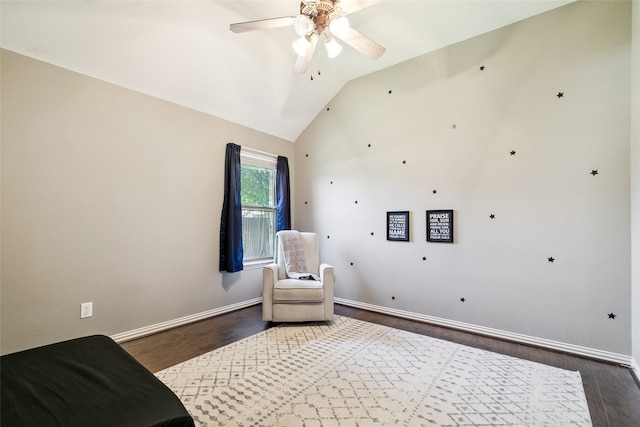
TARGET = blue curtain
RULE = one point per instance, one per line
(283, 208)
(231, 220)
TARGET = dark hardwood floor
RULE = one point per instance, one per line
(612, 394)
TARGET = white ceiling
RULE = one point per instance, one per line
(183, 52)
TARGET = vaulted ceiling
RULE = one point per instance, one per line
(183, 51)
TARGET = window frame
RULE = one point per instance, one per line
(260, 159)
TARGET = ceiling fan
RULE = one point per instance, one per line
(320, 19)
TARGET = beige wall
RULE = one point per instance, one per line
(113, 197)
(546, 202)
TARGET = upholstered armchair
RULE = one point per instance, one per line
(287, 299)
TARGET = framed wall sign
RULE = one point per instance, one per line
(440, 226)
(398, 226)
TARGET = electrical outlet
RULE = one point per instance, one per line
(86, 310)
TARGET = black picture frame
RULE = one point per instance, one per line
(440, 226)
(398, 226)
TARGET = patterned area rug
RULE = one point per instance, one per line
(355, 373)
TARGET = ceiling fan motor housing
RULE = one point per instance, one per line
(320, 12)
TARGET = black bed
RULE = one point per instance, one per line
(84, 382)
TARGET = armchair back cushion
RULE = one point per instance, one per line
(311, 246)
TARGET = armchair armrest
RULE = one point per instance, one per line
(269, 278)
(325, 270)
(327, 277)
(270, 274)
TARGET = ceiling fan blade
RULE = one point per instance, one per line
(302, 63)
(350, 6)
(261, 24)
(363, 44)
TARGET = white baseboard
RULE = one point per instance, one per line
(497, 333)
(163, 326)
(635, 368)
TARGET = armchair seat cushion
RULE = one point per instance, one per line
(295, 290)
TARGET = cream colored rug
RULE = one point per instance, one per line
(355, 373)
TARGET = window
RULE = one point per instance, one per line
(258, 193)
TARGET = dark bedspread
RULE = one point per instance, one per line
(84, 382)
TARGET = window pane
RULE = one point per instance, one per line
(258, 230)
(258, 186)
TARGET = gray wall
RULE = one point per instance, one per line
(387, 141)
(113, 197)
(635, 182)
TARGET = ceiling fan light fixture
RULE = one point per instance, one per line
(301, 46)
(303, 25)
(333, 48)
(339, 26)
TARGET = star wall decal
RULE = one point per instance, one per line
(462, 300)
(513, 153)
(434, 191)
(454, 126)
(611, 316)
(390, 91)
(492, 216)
(404, 162)
(594, 172)
(424, 258)
(551, 259)
(560, 94)
(482, 68)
